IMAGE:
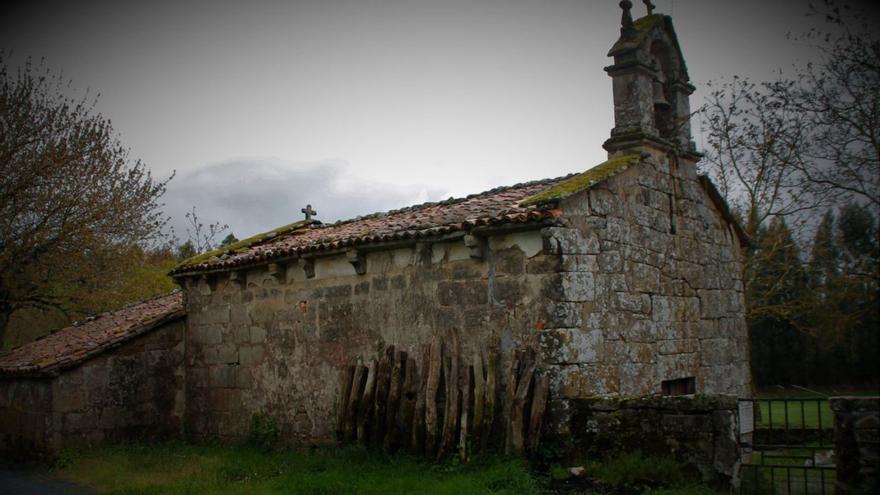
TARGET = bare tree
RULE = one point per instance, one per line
(71, 200)
(790, 146)
(202, 237)
(839, 103)
(783, 153)
(755, 146)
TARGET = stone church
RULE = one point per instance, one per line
(627, 279)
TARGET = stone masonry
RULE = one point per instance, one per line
(698, 432)
(650, 289)
(857, 444)
(132, 392)
(276, 348)
(628, 278)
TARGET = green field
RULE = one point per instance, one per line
(809, 413)
(805, 412)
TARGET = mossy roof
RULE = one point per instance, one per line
(583, 181)
(241, 246)
(494, 207)
(70, 346)
(529, 202)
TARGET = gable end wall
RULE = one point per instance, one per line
(662, 293)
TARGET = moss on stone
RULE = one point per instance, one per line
(583, 181)
(647, 22)
(242, 245)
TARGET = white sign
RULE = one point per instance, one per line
(746, 417)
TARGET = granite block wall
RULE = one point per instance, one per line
(697, 431)
(131, 393)
(857, 444)
(664, 291)
(638, 283)
(274, 345)
(25, 417)
(134, 392)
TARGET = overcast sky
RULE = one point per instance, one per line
(366, 105)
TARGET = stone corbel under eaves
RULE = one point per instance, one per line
(238, 277)
(278, 271)
(358, 260)
(308, 266)
(476, 246)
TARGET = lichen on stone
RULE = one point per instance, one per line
(647, 22)
(242, 245)
(583, 181)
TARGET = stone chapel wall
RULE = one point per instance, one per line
(665, 298)
(276, 347)
(25, 416)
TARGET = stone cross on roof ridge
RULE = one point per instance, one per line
(309, 212)
(650, 6)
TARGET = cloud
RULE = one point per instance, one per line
(255, 195)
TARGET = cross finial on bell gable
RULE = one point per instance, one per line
(627, 29)
(309, 212)
(650, 6)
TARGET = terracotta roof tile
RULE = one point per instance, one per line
(76, 343)
(497, 206)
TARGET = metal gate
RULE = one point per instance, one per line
(788, 446)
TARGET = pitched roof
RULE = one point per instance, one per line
(585, 180)
(525, 203)
(724, 209)
(74, 344)
(502, 205)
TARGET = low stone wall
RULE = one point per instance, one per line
(25, 416)
(857, 443)
(130, 393)
(699, 431)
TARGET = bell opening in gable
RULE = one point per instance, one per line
(662, 95)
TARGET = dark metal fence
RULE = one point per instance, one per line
(788, 446)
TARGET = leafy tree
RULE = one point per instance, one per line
(144, 275)
(186, 251)
(843, 286)
(858, 291)
(72, 202)
(776, 295)
(229, 239)
(825, 256)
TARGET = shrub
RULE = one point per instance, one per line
(264, 431)
(635, 470)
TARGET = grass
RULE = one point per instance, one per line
(186, 469)
(178, 469)
(633, 473)
(797, 481)
(806, 410)
(806, 414)
(798, 414)
(637, 470)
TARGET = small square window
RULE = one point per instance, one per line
(680, 386)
